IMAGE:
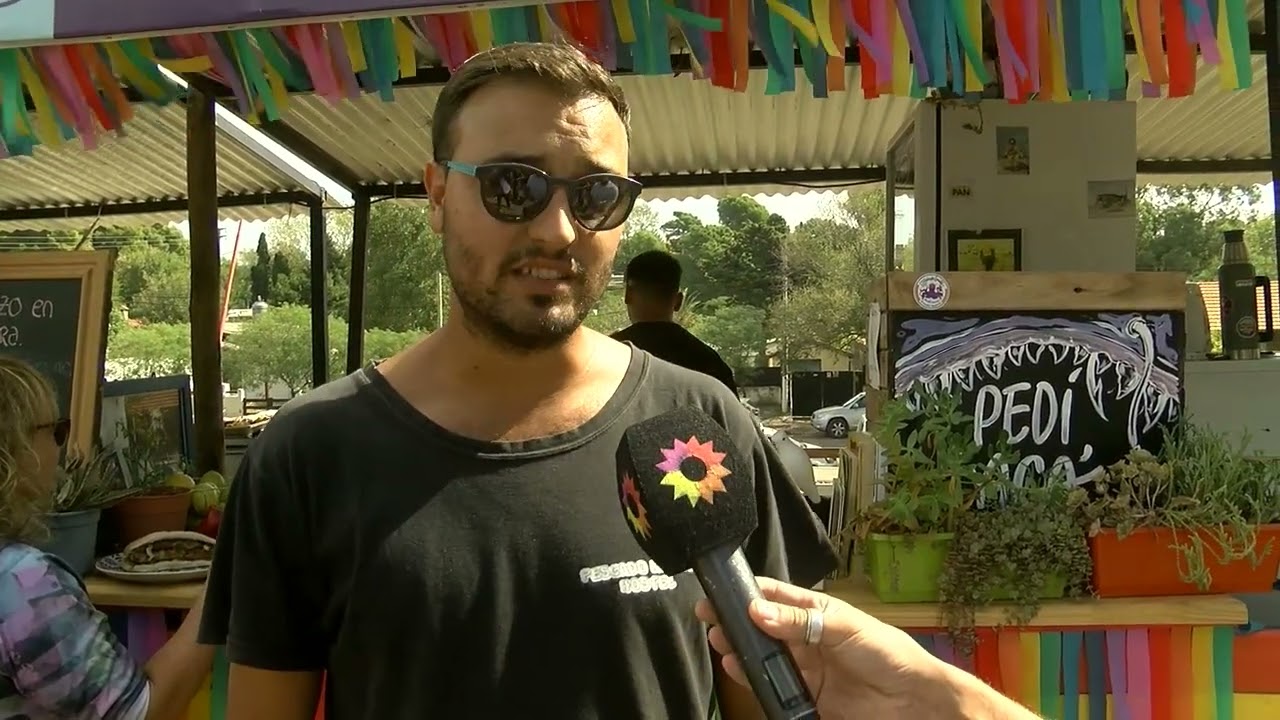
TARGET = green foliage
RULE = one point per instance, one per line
(732, 329)
(405, 274)
(1180, 228)
(934, 471)
(1015, 552)
(276, 347)
(1208, 490)
(89, 481)
(151, 350)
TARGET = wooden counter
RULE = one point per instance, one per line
(108, 593)
(1199, 610)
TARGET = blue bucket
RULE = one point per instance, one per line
(73, 537)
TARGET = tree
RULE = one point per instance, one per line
(736, 331)
(153, 282)
(149, 350)
(275, 347)
(381, 344)
(1180, 227)
(260, 275)
(738, 258)
(610, 314)
(1260, 238)
(832, 263)
(405, 269)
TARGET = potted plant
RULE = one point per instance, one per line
(934, 475)
(160, 493)
(1021, 550)
(87, 483)
(1199, 518)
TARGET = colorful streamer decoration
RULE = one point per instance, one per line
(1046, 50)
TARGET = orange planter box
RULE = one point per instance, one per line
(1146, 564)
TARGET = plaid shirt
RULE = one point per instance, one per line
(58, 657)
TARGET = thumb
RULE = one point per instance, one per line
(784, 622)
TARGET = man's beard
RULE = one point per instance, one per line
(503, 320)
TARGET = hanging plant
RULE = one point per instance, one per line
(1023, 551)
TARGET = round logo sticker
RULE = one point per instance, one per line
(932, 291)
(1246, 327)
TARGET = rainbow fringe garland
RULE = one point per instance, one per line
(1055, 50)
(1153, 673)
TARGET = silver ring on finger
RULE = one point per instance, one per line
(812, 626)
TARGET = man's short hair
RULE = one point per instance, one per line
(559, 67)
(655, 271)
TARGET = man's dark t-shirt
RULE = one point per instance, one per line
(436, 576)
(673, 343)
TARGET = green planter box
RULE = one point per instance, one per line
(905, 568)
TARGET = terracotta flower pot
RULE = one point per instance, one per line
(163, 509)
(1146, 563)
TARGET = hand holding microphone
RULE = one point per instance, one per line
(859, 667)
(689, 500)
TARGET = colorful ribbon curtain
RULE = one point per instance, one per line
(1049, 50)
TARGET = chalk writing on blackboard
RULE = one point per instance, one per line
(39, 323)
(1073, 392)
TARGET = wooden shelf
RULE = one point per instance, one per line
(1186, 610)
(1118, 612)
(108, 593)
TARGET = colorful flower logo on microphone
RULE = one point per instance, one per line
(708, 470)
(636, 514)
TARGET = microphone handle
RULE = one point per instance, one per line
(730, 585)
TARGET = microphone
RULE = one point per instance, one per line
(688, 498)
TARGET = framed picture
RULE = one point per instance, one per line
(984, 250)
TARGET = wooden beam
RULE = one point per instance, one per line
(319, 298)
(206, 266)
(359, 263)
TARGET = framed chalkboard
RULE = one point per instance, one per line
(1072, 389)
(53, 314)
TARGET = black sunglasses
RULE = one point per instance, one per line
(517, 193)
(61, 430)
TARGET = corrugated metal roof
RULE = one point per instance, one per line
(679, 125)
(1213, 307)
(148, 163)
(683, 125)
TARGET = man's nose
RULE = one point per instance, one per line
(554, 228)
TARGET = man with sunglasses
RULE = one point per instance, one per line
(440, 536)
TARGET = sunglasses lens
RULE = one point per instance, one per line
(602, 202)
(513, 193)
(61, 431)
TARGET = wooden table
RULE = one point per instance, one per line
(1162, 652)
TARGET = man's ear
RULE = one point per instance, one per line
(433, 179)
(679, 301)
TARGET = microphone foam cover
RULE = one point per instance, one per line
(685, 488)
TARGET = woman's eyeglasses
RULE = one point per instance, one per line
(61, 430)
(518, 193)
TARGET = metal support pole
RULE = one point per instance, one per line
(359, 264)
(319, 297)
(1271, 34)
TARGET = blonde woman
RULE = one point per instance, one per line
(58, 657)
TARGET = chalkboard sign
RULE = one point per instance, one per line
(40, 323)
(53, 313)
(1075, 390)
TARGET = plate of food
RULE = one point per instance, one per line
(160, 558)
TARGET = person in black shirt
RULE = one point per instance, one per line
(653, 298)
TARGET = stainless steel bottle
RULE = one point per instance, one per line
(1238, 301)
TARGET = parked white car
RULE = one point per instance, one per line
(837, 420)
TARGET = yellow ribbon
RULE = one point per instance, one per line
(1060, 91)
(822, 19)
(198, 64)
(278, 91)
(1227, 76)
(973, 19)
(46, 123)
(1131, 9)
(355, 46)
(901, 58)
(797, 21)
(405, 55)
(545, 28)
(482, 29)
(1202, 693)
(124, 68)
(622, 16)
